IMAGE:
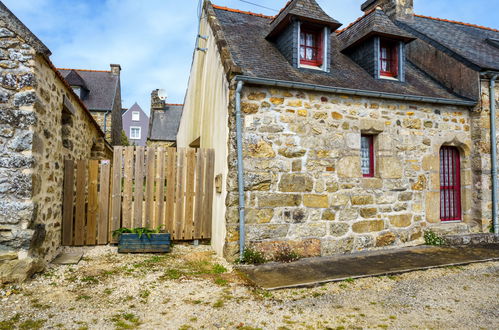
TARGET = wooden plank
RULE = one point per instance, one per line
(103, 223)
(116, 191)
(139, 187)
(209, 192)
(189, 198)
(93, 205)
(126, 217)
(170, 190)
(160, 188)
(200, 176)
(67, 203)
(179, 200)
(149, 212)
(81, 184)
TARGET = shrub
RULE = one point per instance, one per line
(431, 238)
(251, 256)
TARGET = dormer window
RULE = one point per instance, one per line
(311, 47)
(77, 90)
(388, 59)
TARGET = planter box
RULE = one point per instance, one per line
(156, 243)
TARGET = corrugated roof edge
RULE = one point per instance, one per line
(457, 22)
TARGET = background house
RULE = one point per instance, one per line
(100, 91)
(164, 122)
(42, 123)
(136, 125)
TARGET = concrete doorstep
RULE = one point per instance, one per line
(314, 271)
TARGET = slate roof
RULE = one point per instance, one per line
(466, 42)
(307, 10)
(375, 22)
(102, 87)
(164, 123)
(258, 57)
(74, 79)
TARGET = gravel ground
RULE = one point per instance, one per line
(191, 288)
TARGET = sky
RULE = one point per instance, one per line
(153, 40)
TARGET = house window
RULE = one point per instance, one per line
(311, 47)
(388, 59)
(367, 155)
(135, 133)
(135, 115)
(450, 184)
(77, 90)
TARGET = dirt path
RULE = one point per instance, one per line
(192, 289)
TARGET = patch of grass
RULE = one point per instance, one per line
(219, 269)
(349, 280)
(83, 297)
(90, 280)
(126, 321)
(108, 291)
(144, 294)
(218, 304)
(10, 324)
(343, 285)
(220, 281)
(32, 324)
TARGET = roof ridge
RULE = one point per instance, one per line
(86, 70)
(241, 11)
(457, 22)
(282, 9)
(356, 21)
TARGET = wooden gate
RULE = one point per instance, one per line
(144, 187)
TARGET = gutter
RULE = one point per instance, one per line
(493, 147)
(240, 168)
(356, 92)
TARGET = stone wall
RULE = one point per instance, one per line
(35, 138)
(304, 186)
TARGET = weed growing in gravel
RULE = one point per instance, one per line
(108, 291)
(83, 297)
(218, 304)
(219, 269)
(251, 256)
(220, 281)
(10, 324)
(144, 294)
(90, 280)
(126, 321)
(285, 254)
(32, 324)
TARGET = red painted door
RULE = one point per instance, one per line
(450, 184)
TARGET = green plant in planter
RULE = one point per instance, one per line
(139, 231)
(431, 238)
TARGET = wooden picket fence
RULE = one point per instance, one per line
(143, 187)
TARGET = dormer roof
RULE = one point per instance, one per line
(305, 10)
(374, 22)
(74, 79)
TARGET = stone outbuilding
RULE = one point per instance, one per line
(42, 122)
(353, 139)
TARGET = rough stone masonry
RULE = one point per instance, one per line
(303, 180)
(37, 132)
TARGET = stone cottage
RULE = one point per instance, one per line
(163, 123)
(136, 125)
(334, 141)
(42, 122)
(100, 91)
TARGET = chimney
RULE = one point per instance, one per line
(156, 102)
(395, 9)
(115, 69)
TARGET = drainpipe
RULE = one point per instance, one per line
(240, 167)
(105, 122)
(493, 147)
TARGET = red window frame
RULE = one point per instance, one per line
(391, 59)
(370, 139)
(450, 184)
(318, 48)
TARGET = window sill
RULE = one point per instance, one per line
(312, 67)
(389, 78)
